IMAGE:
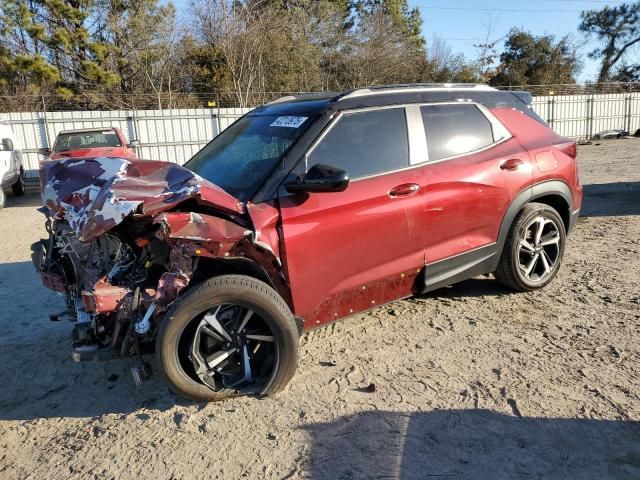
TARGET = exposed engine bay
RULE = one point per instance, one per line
(113, 284)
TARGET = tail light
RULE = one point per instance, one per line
(571, 150)
(568, 148)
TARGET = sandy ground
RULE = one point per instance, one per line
(472, 381)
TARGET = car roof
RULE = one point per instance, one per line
(85, 130)
(394, 95)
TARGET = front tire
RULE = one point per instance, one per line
(231, 335)
(534, 248)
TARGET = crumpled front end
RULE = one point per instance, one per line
(94, 195)
(125, 241)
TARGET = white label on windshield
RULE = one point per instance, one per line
(289, 122)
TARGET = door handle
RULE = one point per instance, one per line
(404, 190)
(511, 164)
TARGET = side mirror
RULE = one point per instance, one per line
(320, 178)
(134, 144)
(7, 145)
(44, 151)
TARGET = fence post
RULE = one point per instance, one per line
(218, 124)
(551, 110)
(590, 116)
(45, 124)
(627, 113)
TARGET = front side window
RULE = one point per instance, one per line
(453, 130)
(365, 143)
(243, 155)
(78, 140)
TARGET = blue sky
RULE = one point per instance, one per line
(461, 23)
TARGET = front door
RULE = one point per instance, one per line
(350, 251)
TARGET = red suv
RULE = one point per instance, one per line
(304, 211)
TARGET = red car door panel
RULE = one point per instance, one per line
(468, 196)
(350, 251)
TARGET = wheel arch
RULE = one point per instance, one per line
(554, 193)
(214, 267)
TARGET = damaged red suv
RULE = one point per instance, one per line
(304, 211)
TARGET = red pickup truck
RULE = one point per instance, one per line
(91, 142)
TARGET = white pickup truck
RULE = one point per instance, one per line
(11, 169)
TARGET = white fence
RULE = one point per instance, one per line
(582, 116)
(175, 135)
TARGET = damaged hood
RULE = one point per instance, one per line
(95, 194)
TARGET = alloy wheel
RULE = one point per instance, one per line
(229, 347)
(539, 248)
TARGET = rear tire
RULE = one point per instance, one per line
(189, 346)
(19, 187)
(3, 197)
(532, 254)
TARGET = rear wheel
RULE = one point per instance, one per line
(19, 187)
(3, 197)
(533, 251)
(231, 335)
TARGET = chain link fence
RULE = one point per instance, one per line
(229, 99)
(127, 101)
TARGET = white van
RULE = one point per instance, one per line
(11, 169)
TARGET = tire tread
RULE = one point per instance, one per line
(255, 287)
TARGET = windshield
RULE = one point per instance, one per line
(242, 156)
(78, 140)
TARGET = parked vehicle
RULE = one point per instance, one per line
(610, 134)
(304, 211)
(91, 142)
(11, 169)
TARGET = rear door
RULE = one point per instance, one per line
(352, 250)
(474, 169)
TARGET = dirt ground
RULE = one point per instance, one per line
(472, 381)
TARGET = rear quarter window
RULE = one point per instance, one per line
(453, 130)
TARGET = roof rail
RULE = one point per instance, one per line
(416, 87)
(286, 98)
(305, 96)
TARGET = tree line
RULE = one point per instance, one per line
(97, 52)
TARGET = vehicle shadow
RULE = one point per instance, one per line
(474, 444)
(38, 377)
(611, 199)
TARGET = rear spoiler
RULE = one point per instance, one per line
(526, 100)
(524, 97)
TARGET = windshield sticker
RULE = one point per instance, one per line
(288, 122)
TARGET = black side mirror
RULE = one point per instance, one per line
(320, 178)
(7, 145)
(44, 151)
(134, 144)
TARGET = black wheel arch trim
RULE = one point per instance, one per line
(539, 190)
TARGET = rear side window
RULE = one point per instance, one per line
(365, 143)
(455, 130)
